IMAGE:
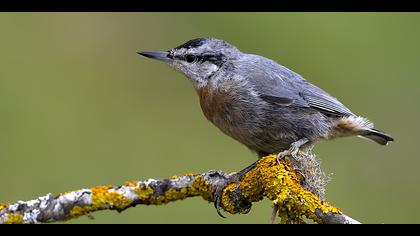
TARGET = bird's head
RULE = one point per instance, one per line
(198, 59)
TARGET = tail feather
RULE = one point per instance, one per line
(378, 136)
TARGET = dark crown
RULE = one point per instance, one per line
(193, 43)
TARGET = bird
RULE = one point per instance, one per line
(260, 103)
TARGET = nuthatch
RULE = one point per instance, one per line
(261, 104)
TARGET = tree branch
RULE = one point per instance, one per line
(277, 182)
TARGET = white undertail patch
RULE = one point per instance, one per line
(354, 123)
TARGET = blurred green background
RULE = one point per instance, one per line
(79, 107)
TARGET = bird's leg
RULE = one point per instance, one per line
(293, 150)
(292, 153)
(234, 178)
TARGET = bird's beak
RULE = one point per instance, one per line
(162, 56)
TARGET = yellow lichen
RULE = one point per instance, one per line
(251, 186)
(144, 192)
(173, 194)
(102, 198)
(282, 185)
(276, 181)
(78, 211)
(227, 202)
(186, 174)
(131, 183)
(4, 205)
(14, 219)
(201, 187)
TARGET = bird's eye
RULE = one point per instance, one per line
(190, 58)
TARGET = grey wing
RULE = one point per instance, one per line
(284, 87)
(276, 91)
(326, 103)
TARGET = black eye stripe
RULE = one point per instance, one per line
(212, 58)
(207, 58)
(215, 59)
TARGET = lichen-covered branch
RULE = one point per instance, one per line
(269, 179)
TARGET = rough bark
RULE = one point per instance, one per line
(268, 179)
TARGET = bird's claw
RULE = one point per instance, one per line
(282, 155)
(218, 193)
(292, 152)
(217, 196)
(233, 178)
(291, 155)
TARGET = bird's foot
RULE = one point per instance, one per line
(218, 192)
(293, 150)
(291, 155)
(234, 178)
(287, 154)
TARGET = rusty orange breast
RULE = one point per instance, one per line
(213, 102)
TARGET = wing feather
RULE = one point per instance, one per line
(321, 100)
(281, 86)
